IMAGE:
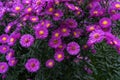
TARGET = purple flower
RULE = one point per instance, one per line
(4, 49)
(49, 10)
(17, 8)
(65, 31)
(116, 5)
(96, 36)
(32, 65)
(77, 33)
(71, 23)
(61, 47)
(3, 67)
(54, 42)
(59, 56)
(105, 22)
(4, 38)
(27, 40)
(56, 34)
(10, 54)
(34, 19)
(41, 33)
(50, 63)
(12, 62)
(57, 15)
(115, 16)
(73, 48)
(12, 39)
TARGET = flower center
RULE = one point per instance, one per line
(74, 33)
(26, 40)
(73, 48)
(11, 39)
(34, 19)
(92, 28)
(64, 30)
(50, 9)
(55, 41)
(4, 38)
(29, 9)
(60, 46)
(4, 48)
(105, 22)
(117, 5)
(56, 14)
(32, 65)
(59, 56)
(17, 8)
(48, 25)
(95, 12)
(50, 63)
(96, 36)
(56, 34)
(2, 67)
(41, 32)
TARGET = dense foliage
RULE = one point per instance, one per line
(59, 40)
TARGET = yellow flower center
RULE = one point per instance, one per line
(11, 39)
(17, 8)
(56, 14)
(4, 38)
(34, 19)
(4, 48)
(104, 22)
(48, 25)
(60, 46)
(95, 12)
(74, 33)
(41, 32)
(50, 9)
(92, 28)
(50, 63)
(117, 5)
(29, 9)
(64, 30)
(56, 34)
(55, 41)
(59, 56)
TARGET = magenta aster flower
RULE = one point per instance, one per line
(57, 15)
(32, 65)
(73, 48)
(10, 54)
(12, 39)
(65, 31)
(4, 38)
(12, 62)
(115, 17)
(59, 56)
(116, 5)
(4, 49)
(56, 34)
(96, 36)
(41, 33)
(49, 10)
(34, 19)
(27, 40)
(17, 8)
(61, 47)
(70, 6)
(3, 67)
(71, 23)
(54, 42)
(77, 33)
(90, 28)
(105, 22)
(50, 63)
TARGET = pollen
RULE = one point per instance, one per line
(50, 9)
(17, 8)
(117, 5)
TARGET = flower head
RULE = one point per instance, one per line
(3, 67)
(41, 33)
(96, 36)
(57, 15)
(4, 49)
(26, 40)
(71, 23)
(54, 42)
(12, 62)
(10, 54)
(59, 56)
(73, 48)
(105, 22)
(32, 65)
(4, 38)
(50, 63)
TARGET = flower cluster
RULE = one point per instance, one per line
(44, 20)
